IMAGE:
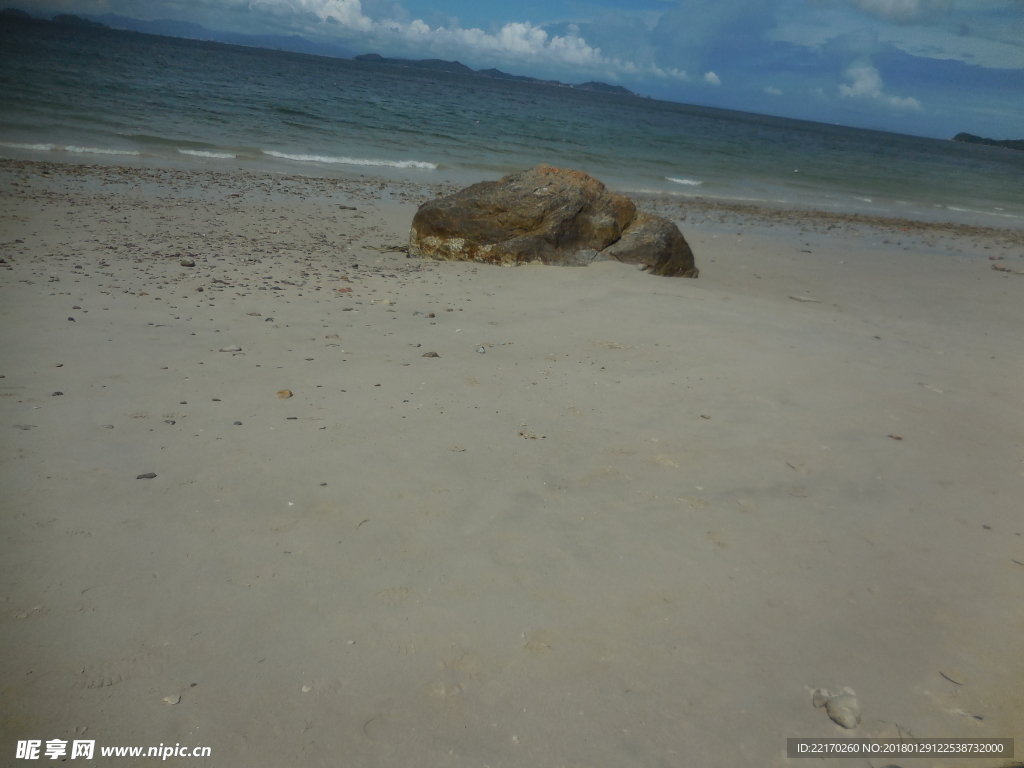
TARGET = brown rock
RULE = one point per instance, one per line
(549, 215)
(655, 243)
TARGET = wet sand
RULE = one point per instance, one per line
(617, 520)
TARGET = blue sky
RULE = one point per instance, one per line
(927, 67)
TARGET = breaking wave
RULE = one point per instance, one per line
(352, 160)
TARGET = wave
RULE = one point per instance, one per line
(68, 148)
(352, 160)
(687, 182)
(206, 153)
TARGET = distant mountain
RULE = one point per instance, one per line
(595, 85)
(495, 74)
(184, 29)
(70, 20)
(192, 31)
(970, 138)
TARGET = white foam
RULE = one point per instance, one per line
(864, 199)
(38, 147)
(351, 160)
(77, 150)
(687, 182)
(205, 153)
(98, 151)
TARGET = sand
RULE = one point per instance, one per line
(617, 520)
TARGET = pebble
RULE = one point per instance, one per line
(430, 354)
(56, 394)
(169, 421)
(72, 319)
(238, 423)
(108, 426)
(171, 700)
(481, 350)
(232, 348)
(24, 426)
(146, 476)
(269, 320)
(843, 707)
(284, 394)
(187, 263)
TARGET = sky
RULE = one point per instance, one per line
(924, 67)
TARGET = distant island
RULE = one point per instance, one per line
(440, 65)
(970, 138)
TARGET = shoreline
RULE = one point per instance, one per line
(704, 210)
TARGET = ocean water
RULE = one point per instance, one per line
(123, 98)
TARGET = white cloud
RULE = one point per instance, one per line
(866, 83)
(903, 11)
(518, 43)
(711, 77)
(771, 91)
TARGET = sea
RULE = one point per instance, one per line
(112, 97)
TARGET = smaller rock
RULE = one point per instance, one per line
(187, 262)
(284, 394)
(172, 700)
(57, 394)
(481, 350)
(108, 426)
(844, 709)
(199, 290)
(269, 320)
(238, 423)
(146, 476)
(430, 354)
(170, 421)
(819, 697)
(232, 348)
(72, 319)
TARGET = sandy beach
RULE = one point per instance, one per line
(340, 507)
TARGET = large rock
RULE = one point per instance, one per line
(549, 215)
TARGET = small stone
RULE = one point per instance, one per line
(108, 426)
(232, 348)
(146, 476)
(76, 307)
(323, 483)
(430, 354)
(216, 399)
(187, 263)
(171, 700)
(56, 394)
(481, 350)
(819, 697)
(238, 423)
(170, 421)
(284, 394)
(24, 426)
(844, 709)
(199, 290)
(72, 319)
(269, 320)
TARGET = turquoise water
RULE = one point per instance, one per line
(114, 97)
